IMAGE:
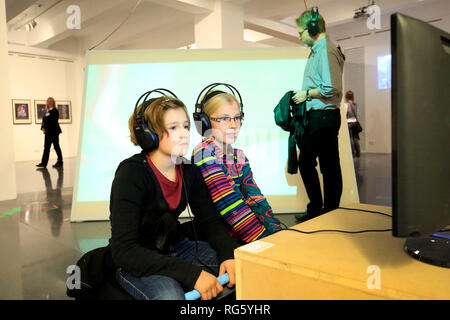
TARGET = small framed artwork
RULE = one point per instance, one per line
(39, 110)
(21, 111)
(65, 111)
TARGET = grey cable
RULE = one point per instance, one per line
(117, 28)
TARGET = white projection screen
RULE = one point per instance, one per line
(114, 80)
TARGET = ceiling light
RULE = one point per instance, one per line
(362, 12)
(30, 25)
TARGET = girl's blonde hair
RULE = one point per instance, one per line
(216, 101)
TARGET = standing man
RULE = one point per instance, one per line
(322, 91)
(50, 127)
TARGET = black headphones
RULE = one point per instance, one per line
(201, 120)
(145, 136)
(313, 24)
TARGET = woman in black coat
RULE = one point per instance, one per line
(50, 127)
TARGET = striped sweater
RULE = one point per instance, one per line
(234, 192)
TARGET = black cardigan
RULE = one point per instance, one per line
(141, 220)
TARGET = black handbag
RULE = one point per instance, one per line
(357, 127)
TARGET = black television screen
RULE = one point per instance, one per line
(420, 128)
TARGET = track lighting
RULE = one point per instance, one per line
(30, 25)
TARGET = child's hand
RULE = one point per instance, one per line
(228, 267)
(208, 286)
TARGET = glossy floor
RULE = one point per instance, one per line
(38, 242)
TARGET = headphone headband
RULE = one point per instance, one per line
(148, 93)
(212, 94)
(209, 88)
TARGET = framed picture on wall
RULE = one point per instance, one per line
(21, 111)
(39, 110)
(65, 111)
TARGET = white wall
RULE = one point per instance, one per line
(36, 78)
(377, 116)
(7, 166)
(377, 130)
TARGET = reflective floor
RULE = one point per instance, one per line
(38, 242)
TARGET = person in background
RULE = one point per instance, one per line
(227, 173)
(352, 122)
(322, 93)
(51, 129)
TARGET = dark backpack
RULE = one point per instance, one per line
(97, 275)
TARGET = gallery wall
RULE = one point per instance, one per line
(37, 75)
(7, 161)
(377, 43)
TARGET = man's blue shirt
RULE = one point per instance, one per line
(324, 71)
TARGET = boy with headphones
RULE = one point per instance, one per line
(155, 258)
(226, 170)
(322, 93)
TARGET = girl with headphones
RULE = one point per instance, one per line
(226, 170)
(155, 258)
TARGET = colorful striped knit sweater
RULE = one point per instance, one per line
(234, 193)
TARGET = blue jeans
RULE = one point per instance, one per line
(159, 287)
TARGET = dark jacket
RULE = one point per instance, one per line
(143, 226)
(50, 122)
(292, 118)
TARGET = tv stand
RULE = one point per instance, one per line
(433, 249)
(332, 265)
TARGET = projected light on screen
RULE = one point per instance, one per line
(112, 91)
(114, 80)
(384, 71)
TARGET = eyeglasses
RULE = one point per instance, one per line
(227, 120)
(301, 33)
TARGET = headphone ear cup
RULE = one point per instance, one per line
(313, 29)
(146, 139)
(202, 123)
(155, 140)
(206, 123)
(313, 25)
